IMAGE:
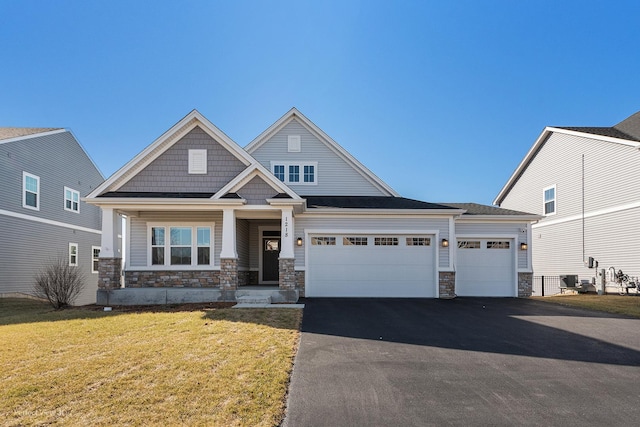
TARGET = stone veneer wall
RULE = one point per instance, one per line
(179, 279)
(447, 284)
(109, 272)
(300, 281)
(228, 274)
(287, 274)
(525, 285)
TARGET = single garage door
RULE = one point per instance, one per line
(353, 265)
(486, 268)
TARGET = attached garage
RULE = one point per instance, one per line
(486, 268)
(364, 265)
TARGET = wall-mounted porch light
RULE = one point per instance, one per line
(445, 243)
(523, 246)
(299, 241)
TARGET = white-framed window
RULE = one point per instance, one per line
(198, 161)
(293, 143)
(323, 241)
(30, 191)
(95, 255)
(71, 200)
(73, 254)
(385, 241)
(298, 173)
(549, 200)
(181, 244)
(355, 241)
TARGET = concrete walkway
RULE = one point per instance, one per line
(463, 362)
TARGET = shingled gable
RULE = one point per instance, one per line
(627, 132)
(294, 114)
(256, 170)
(167, 140)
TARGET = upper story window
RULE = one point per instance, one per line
(30, 191)
(300, 173)
(198, 161)
(549, 200)
(71, 200)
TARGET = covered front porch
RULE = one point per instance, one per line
(203, 254)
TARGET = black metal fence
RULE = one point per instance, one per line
(546, 285)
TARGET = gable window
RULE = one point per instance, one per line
(184, 245)
(30, 191)
(294, 173)
(95, 255)
(71, 200)
(299, 173)
(198, 161)
(550, 200)
(293, 143)
(73, 254)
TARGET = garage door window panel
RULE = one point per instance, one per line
(466, 244)
(418, 241)
(498, 245)
(385, 241)
(355, 241)
(323, 241)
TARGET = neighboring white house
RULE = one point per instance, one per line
(43, 174)
(295, 211)
(585, 183)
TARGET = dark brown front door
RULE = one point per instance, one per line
(270, 255)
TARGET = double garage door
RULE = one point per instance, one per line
(486, 268)
(359, 265)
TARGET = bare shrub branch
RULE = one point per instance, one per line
(59, 282)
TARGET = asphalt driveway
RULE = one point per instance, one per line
(381, 362)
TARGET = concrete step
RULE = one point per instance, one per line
(254, 299)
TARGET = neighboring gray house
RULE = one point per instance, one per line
(296, 213)
(43, 175)
(585, 183)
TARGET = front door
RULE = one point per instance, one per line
(270, 255)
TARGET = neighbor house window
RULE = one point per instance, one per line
(198, 161)
(299, 173)
(30, 191)
(550, 200)
(71, 200)
(294, 173)
(95, 255)
(181, 245)
(73, 254)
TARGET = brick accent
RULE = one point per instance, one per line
(525, 285)
(109, 271)
(177, 279)
(287, 274)
(300, 281)
(228, 274)
(447, 284)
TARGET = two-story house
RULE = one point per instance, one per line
(584, 183)
(296, 212)
(43, 175)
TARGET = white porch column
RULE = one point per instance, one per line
(111, 228)
(287, 231)
(228, 234)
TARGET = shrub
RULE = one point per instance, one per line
(59, 282)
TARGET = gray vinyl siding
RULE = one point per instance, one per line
(257, 191)
(59, 161)
(612, 172)
(394, 224)
(27, 246)
(334, 176)
(487, 229)
(242, 243)
(170, 171)
(139, 240)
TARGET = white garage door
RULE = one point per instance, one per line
(355, 265)
(486, 268)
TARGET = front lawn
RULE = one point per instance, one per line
(207, 366)
(628, 305)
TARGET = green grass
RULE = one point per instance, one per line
(628, 305)
(215, 366)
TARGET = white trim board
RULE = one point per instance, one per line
(591, 214)
(48, 221)
(33, 135)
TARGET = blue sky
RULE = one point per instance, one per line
(441, 99)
